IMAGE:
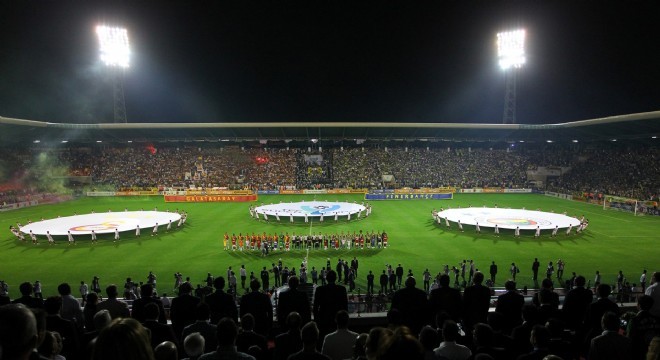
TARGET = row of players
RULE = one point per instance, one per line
(285, 241)
(72, 241)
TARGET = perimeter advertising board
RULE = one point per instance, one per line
(446, 196)
(210, 198)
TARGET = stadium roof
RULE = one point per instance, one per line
(632, 126)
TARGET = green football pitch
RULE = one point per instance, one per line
(613, 241)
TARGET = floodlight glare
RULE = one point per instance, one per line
(511, 49)
(115, 51)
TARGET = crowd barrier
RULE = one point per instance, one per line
(18, 205)
(48, 199)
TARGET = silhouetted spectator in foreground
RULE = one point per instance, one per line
(182, 311)
(26, 297)
(310, 337)
(147, 297)
(596, 310)
(71, 307)
(447, 299)
(476, 302)
(289, 342)
(642, 327)
(220, 303)
(124, 338)
(293, 300)
(18, 332)
(428, 337)
(449, 348)
(258, 304)
(413, 305)
(117, 308)
(576, 303)
(539, 339)
(166, 351)
(193, 345)
(483, 342)
(338, 345)
(247, 338)
(227, 333)
(400, 344)
(328, 299)
(611, 344)
(510, 305)
(66, 328)
(160, 333)
(203, 327)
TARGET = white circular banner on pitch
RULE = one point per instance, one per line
(311, 209)
(101, 223)
(508, 218)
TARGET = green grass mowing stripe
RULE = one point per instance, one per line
(614, 240)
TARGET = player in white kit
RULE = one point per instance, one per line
(497, 231)
(538, 232)
(517, 232)
(155, 230)
(71, 240)
(50, 238)
(93, 237)
(116, 235)
(554, 231)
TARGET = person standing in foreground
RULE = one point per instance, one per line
(328, 299)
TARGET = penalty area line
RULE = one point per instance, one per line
(597, 214)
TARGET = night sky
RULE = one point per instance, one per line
(346, 61)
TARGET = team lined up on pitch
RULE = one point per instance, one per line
(285, 242)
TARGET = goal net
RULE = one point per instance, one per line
(634, 206)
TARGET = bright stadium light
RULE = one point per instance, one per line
(115, 54)
(511, 49)
(113, 41)
(511, 57)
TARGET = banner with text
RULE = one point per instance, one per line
(440, 190)
(210, 198)
(100, 193)
(315, 191)
(446, 196)
(136, 193)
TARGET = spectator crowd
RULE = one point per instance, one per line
(288, 321)
(590, 169)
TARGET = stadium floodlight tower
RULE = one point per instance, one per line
(115, 54)
(511, 56)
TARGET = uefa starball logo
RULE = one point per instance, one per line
(320, 209)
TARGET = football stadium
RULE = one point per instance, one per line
(407, 216)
